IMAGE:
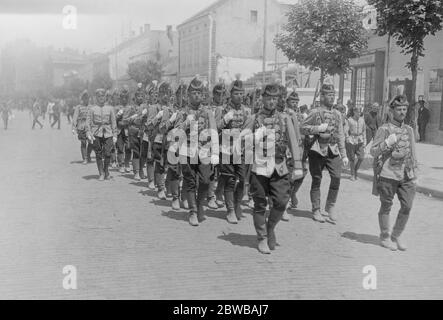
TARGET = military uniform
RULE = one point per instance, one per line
(395, 165)
(217, 185)
(79, 127)
(196, 174)
(161, 128)
(298, 163)
(148, 135)
(326, 149)
(122, 145)
(101, 128)
(270, 176)
(232, 175)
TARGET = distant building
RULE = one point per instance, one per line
(153, 45)
(370, 84)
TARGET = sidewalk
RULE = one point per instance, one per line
(430, 169)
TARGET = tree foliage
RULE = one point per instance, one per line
(144, 71)
(323, 35)
(101, 80)
(409, 22)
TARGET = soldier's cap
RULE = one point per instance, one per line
(180, 90)
(399, 100)
(271, 90)
(283, 90)
(195, 85)
(100, 91)
(327, 88)
(85, 93)
(165, 87)
(237, 86)
(293, 96)
(124, 92)
(219, 89)
(139, 92)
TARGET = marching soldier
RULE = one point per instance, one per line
(159, 122)
(6, 113)
(123, 149)
(298, 164)
(79, 127)
(147, 154)
(101, 130)
(36, 113)
(233, 117)
(216, 187)
(135, 119)
(355, 137)
(326, 150)
(395, 165)
(196, 174)
(270, 175)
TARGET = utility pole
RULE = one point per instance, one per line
(265, 25)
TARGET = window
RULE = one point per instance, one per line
(435, 82)
(254, 16)
(365, 86)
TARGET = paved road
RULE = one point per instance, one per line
(126, 244)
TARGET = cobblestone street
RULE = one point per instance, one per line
(127, 244)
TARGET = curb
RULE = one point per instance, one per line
(421, 189)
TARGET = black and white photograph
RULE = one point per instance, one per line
(242, 152)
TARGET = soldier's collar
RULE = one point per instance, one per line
(397, 123)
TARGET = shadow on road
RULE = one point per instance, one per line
(91, 177)
(176, 215)
(147, 192)
(76, 162)
(242, 240)
(215, 214)
(301, 213)
(362, 238)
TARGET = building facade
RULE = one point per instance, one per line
(227, 38)
(381, 73)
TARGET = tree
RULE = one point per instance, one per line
(101, 80)
(323, 35)
(144, 71)
(409, 22)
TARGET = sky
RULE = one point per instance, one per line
(100, 23)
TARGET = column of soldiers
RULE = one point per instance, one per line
(149, 131)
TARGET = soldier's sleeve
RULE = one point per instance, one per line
(310, 124)
(219, 118)
(379, 145)
(114, 123)
(294, 145)
(88, 123)
(346, 128)
(364, 134)
(75, 118)
(341, 138)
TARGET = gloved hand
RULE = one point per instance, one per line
(229, 116)
(323, 127)
(120, 112)
(297, 174)
(345, 161)
(190, 117)
(91, 138)
(114, 139)
(391, 140)
(173, 117)
(145, 112)
(74, 132)
(159, 115)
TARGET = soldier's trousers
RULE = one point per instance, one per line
(230, 174)
(85, 146)
(316, 165)
(147, 158)
(5, 122)
(103, 149)
(277, 189)
(135, 146)
(35, 121)
(196, 176)
(173, 176)
(405, 191)
(123, 150)
(160, 168)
